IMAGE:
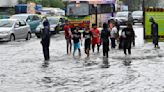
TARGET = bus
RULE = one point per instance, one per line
(82, 13)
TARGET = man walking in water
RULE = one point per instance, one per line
(76, 41)
(127, 34)
(46, 39)
(114, 35)
(105, 33)
(154, 32)
(87, 35)
(95, 38)
(68, 38)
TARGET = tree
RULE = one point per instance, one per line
(151, 3)
(56, 3)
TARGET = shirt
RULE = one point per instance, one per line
(87, 35)
(95, 33)
(128, 33)
(113, 32)
(105, 33)
(76, 37)
(95, 36)
(66, 30)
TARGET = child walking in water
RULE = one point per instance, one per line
(95, 38)
(76, 40)
(87, 35)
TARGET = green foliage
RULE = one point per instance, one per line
(151, 3)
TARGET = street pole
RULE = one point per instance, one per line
(96, 15)
(143, 9)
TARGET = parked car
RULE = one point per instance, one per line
(137, 17)
(12, 29)
(32, 19)
(124, 17)
(55, 26)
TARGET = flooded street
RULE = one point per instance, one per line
(22, 71)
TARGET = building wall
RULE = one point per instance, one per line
(8, 3)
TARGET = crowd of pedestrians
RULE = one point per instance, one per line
(93, 37)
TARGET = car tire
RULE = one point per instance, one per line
(28, 36)
(12, 37)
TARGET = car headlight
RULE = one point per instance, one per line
(51, 29)
(38, 29)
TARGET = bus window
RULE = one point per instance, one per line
(81, 10)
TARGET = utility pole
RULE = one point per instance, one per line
(96, 14)
(143, 9)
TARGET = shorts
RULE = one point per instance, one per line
(68, 37)
(87, 44)
(76, 46)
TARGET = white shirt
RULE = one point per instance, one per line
(113, 32)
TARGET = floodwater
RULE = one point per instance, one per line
(22, 71)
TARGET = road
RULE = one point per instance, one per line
(22, 71)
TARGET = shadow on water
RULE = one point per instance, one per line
(45, 64)
(105, 63)
(127, 61)
(47, 80)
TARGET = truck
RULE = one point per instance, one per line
(22, 8)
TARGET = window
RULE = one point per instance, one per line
(6, 23)
(22, 23)
(35, 17)
(77, 10)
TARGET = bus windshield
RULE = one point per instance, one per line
(80, 9)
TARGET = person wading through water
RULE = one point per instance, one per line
(68, 34)
(76, 40)
(95, 38)
(105, 34)
(87, 35)
(154, 32)
(128, 35)
(45, 41)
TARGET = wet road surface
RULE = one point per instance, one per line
(22, 71)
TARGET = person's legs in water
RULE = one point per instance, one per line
(129, 51)
(70, 45)
(107, 54)
(85, 49)
(79, 52)
(104, 54)
(88, 52)
(93, 48)
(113, 42)
(46, 53)
(125, 51)
(74, 52)
(133, 42)
(98, 47)
(67, 46)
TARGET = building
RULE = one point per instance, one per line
(8, 3)
(7, 7)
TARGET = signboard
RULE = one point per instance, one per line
(159, 18)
